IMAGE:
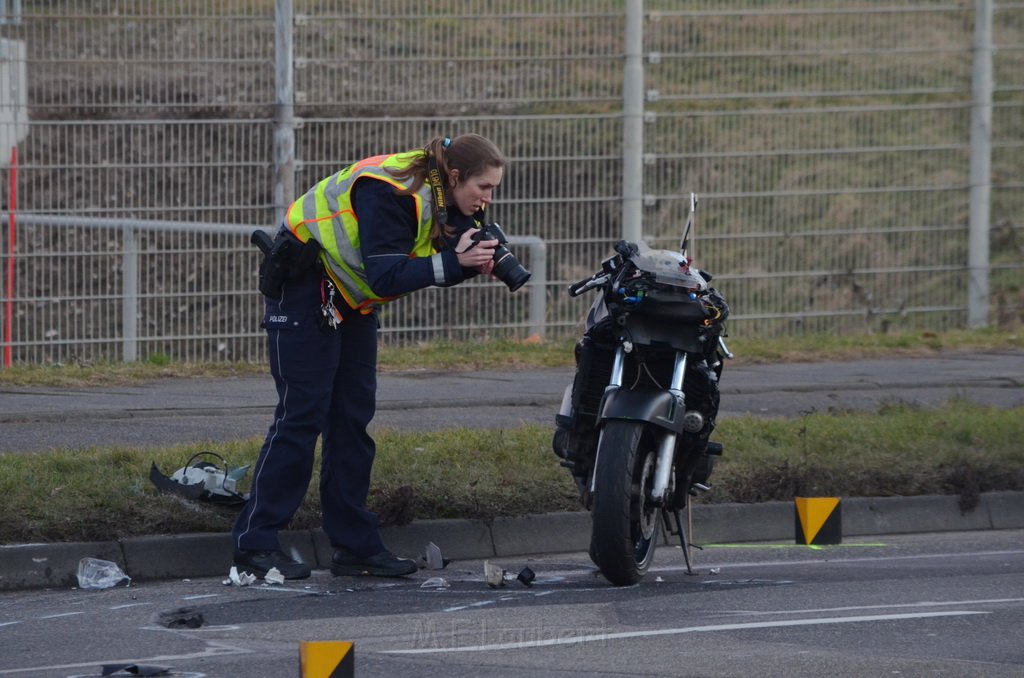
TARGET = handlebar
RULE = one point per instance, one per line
(582, 286)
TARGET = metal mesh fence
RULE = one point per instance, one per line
(831, 147)
(830, 144)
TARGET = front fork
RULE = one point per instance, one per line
(667, 450)
(667, 446)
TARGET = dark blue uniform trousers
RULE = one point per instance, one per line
(326, 385)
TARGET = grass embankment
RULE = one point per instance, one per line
(962, 449)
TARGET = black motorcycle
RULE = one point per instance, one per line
(635, 423)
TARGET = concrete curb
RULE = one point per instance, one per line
(28, 566)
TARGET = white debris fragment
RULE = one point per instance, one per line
(435, 583)
(236, 578)
(434, 559)
(715, 570)
(494, 575)
(273, 576)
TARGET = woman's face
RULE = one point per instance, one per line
(475, 192)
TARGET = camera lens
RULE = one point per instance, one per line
(508, 270)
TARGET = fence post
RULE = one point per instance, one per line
(538, 285)
(284, 130)
(633, 123)
(130, 295)
(978, 263)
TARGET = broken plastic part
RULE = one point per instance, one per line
(94, 573)
(135, 669)
(181, 618)
(273, 576)
(433, 556)
(203, 481)
(236, 578)
(435, 583)
(494, 575)
(526, 576)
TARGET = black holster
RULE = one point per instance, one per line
(285, 258)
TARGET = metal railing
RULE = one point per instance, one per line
(133, 285)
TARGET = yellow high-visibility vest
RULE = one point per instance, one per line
(325, 214)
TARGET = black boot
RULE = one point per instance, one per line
(383, 564)
(260, 562)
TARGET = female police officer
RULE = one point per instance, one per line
(382, 228)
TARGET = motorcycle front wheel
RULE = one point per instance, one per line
(626, 522)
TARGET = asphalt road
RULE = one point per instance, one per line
(945, 604)
(173, 411)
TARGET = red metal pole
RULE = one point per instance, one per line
(11, 240)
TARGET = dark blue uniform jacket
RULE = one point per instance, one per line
(387, 234)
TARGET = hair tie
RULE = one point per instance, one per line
(446, 143)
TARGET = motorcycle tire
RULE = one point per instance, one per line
(626, 525)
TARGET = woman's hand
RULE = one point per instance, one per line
(475, 255)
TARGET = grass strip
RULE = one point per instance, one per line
(962, 449)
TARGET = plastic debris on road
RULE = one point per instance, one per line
(273, 576)
(134, 670)
(494, 575)
(94, 573)
(236, 578)
(433, 557)
(435, 583)
(526, 576)
(181, 618)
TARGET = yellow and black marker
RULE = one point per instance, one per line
(326, 659)
(818, 520)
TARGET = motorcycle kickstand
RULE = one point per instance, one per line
(682, 538)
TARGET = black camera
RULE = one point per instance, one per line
(507, 268)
